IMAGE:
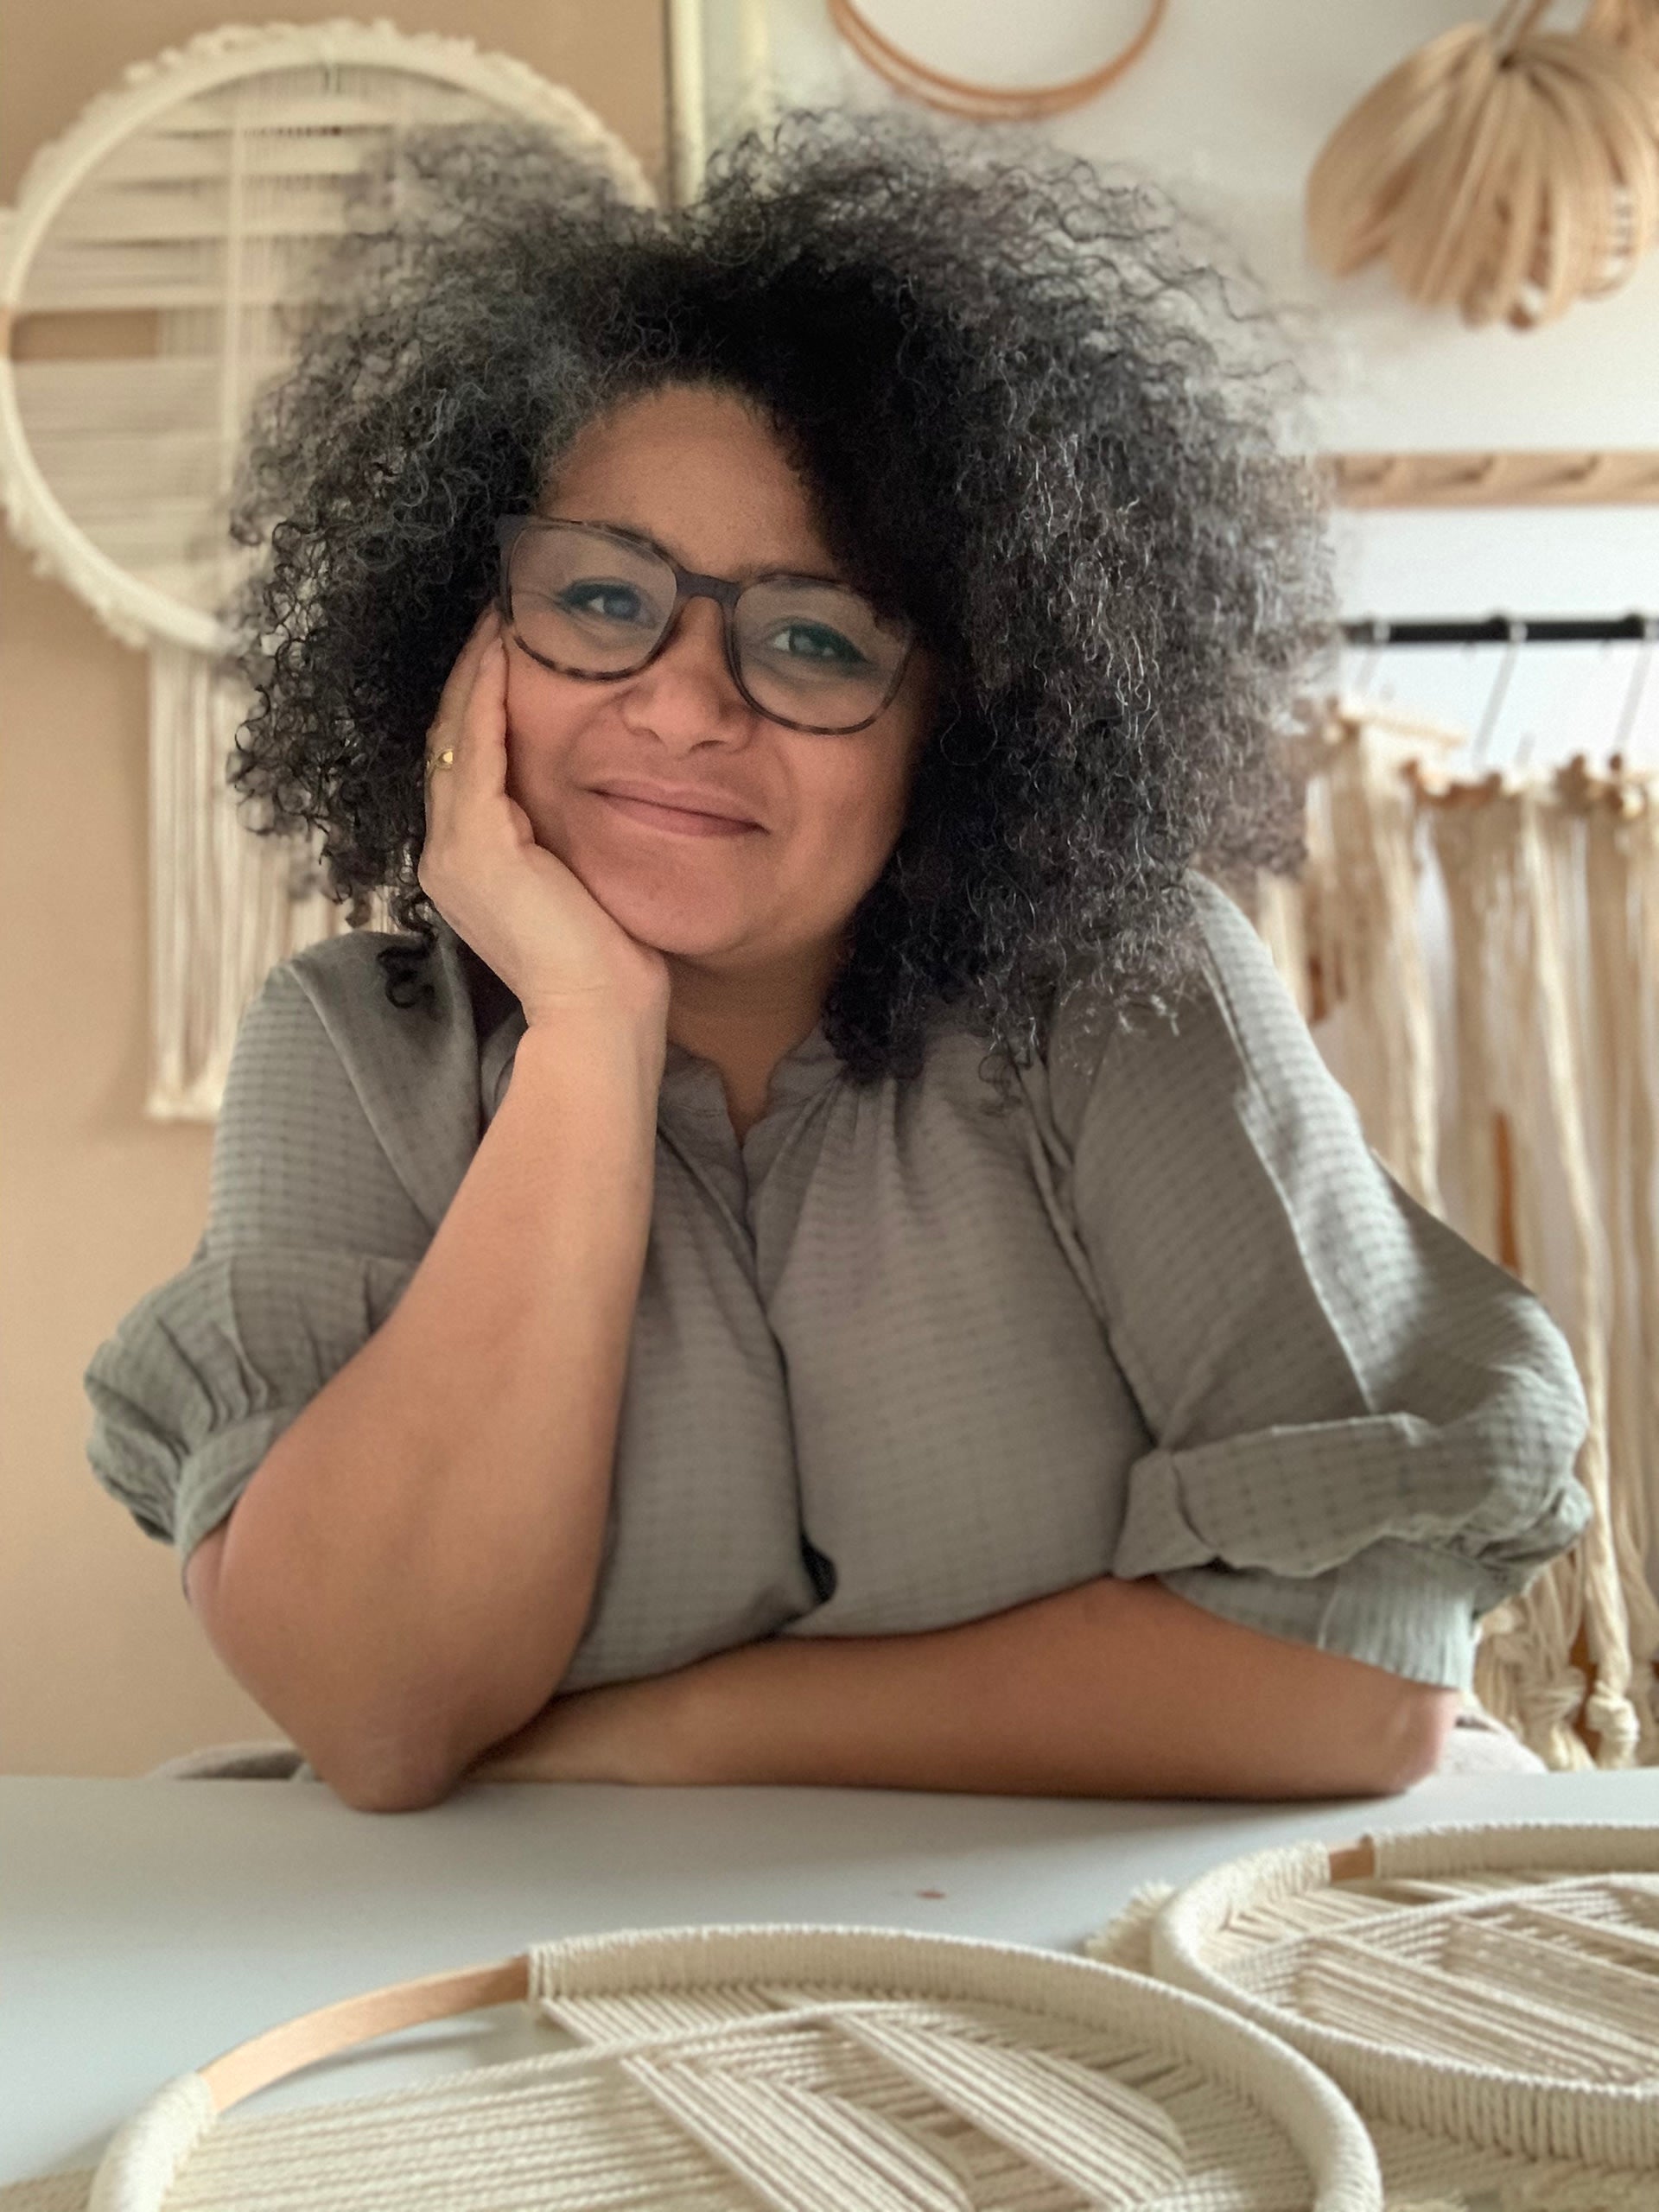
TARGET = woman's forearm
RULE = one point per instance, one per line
(406, 1573)
(1112, 1690)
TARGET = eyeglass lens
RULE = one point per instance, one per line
(814, 654)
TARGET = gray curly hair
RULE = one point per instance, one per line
(1036, 417)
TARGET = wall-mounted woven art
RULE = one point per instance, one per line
(1506, 169)
(152, 275)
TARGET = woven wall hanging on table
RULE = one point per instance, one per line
(150, 276)
(1503, 169)
(1487, 1997)
(792, 2069)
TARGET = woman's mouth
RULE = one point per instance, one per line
(676, 819)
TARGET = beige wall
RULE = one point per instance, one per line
(102, 1668)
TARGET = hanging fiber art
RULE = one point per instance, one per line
(151, 275)
(1503, 169)
(1522, 1108)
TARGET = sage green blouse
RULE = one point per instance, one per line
(900, 1358)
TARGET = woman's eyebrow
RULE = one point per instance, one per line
(805, 565)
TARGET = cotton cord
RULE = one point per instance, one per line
(1486, 1998)
(225, 168)
(1368, 938)
(806, 2070)
(141, 2166)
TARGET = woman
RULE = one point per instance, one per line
(832, 1257)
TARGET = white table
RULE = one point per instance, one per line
(146, 1926)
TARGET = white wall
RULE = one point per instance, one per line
(1228, 106)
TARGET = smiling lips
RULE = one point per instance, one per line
(677, 819)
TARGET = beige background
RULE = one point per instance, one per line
(102, 1668)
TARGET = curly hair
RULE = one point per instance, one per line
(1033, 414)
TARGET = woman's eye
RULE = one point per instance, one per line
(815, 641)
(611, 602)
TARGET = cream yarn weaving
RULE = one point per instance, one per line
(1487, 1996)
(768, 2070)
(149, 277)
(1525, 1112)
(1361, 938)
(1505, 170)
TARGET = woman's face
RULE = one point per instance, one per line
(702, 473)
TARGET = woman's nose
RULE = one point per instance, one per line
(688, 690)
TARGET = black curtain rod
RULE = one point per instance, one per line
(1503, 630)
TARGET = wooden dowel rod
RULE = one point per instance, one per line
(266, 2058)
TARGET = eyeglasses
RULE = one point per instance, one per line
(599, 603)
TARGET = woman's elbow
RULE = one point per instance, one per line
(379, 1754)
(1408, 1745)
(1433, 1715)
(388, 1780)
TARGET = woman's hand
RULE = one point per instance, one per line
(522, 910)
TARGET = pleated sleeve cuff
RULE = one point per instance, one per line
(1387, 1580)
(199, 1379)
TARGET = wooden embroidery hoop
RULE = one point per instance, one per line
(983, 103)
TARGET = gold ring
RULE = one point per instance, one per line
(436, 760)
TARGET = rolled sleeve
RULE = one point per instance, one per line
(199, 1381)
(1365, 1431)
(311, 1239)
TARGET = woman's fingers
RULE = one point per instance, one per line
(481, 751)
(452, 700)
(456, 703)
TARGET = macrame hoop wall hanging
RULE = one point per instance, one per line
(150, 275)
(1484, 1995)
(771, 2069)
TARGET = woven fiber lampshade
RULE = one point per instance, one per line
(151, 275)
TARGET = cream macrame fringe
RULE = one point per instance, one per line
(226, 905)
(1527, 1118)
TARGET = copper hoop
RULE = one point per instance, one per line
(983, 103)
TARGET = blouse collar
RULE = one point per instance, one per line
(690, 1083)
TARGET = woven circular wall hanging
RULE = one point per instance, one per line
(151, 276)
(798, 2069)
(1488, 1996)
